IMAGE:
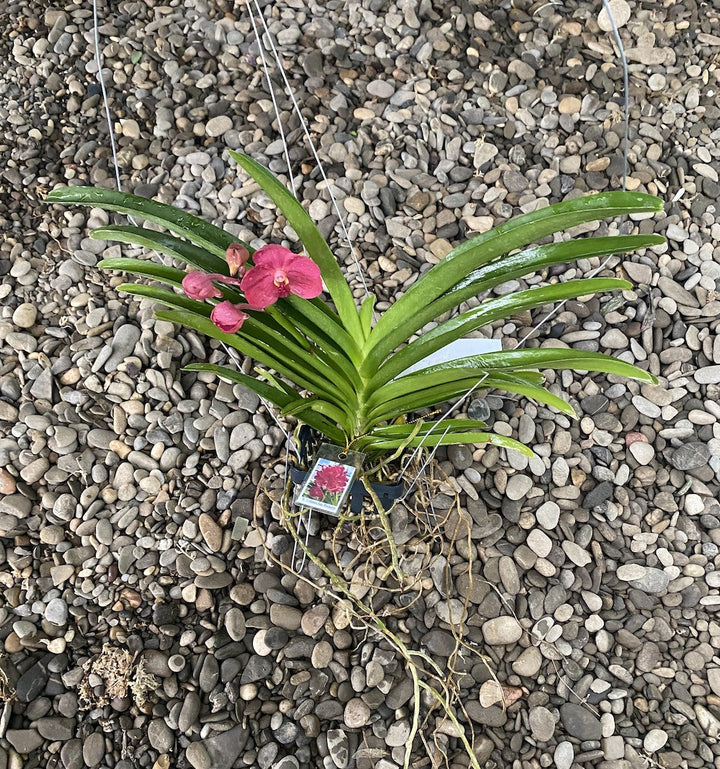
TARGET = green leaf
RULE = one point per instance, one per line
(507, 361)
(333, 333)
(428, 428)
(518, 386)
(490, 310)
(516, 233)
(366, 314)
(168, 298)
(313, 241)
(163, 244)
(443, 439)
(261, 351)
(272, 394)
(169, 275)
(503, 269)
(180, 222)
(416, 399)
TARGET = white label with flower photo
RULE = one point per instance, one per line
(327, 486)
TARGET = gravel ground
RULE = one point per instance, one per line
(139, 622)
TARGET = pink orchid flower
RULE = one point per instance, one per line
(229, 317)
(199, 285)
(236, 256)
(278, 272)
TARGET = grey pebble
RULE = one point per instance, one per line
(580, 722)
(381, 89)
(122, 345)
(542, 723)
(189, 712)
(161, 736)
(690, 456)
(501, 631)
(24, 741)
(652, 581)
(564, 755)
(56, 728)
(56, 612)
(198, 756)
(93, 749)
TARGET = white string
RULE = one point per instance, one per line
(306, 131)
(108, 117)
(560, 305)
(116, 166)
(271, 91)
(626, 90)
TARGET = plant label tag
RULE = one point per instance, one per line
(460, 348)
(330, 479)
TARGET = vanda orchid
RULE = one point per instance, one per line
(330, 364)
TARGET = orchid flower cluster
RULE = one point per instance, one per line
(276, 273)
(361, 381)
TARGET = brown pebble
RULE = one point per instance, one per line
(12, 643)
(130, 598)
(120, 448)
(7, 483)
(311, 724)
(569, 105)
(211, 532)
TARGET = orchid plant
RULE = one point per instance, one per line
(329, 364)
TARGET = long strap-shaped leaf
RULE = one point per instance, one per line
(276, 353)
(526, 383)
(508, 361)
(314, 243)
(168, 298)
(428, 428)
(329, 325)
(170, 275)
(519, 386)
(440, 438)
(537, 258)
(489, 311)
(514, 234)
(163, 244)
(272, 394)
(214, 239)
(205, 326)
(505, 268)
(419, 398)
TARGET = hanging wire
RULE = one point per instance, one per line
(626, 90)
(271, 91)
(560, 305)
(232, 354)
(103, 90)
(303, 125)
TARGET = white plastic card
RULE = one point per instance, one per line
(330, 479)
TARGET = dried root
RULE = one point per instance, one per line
(110, 674)
(389, 560)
